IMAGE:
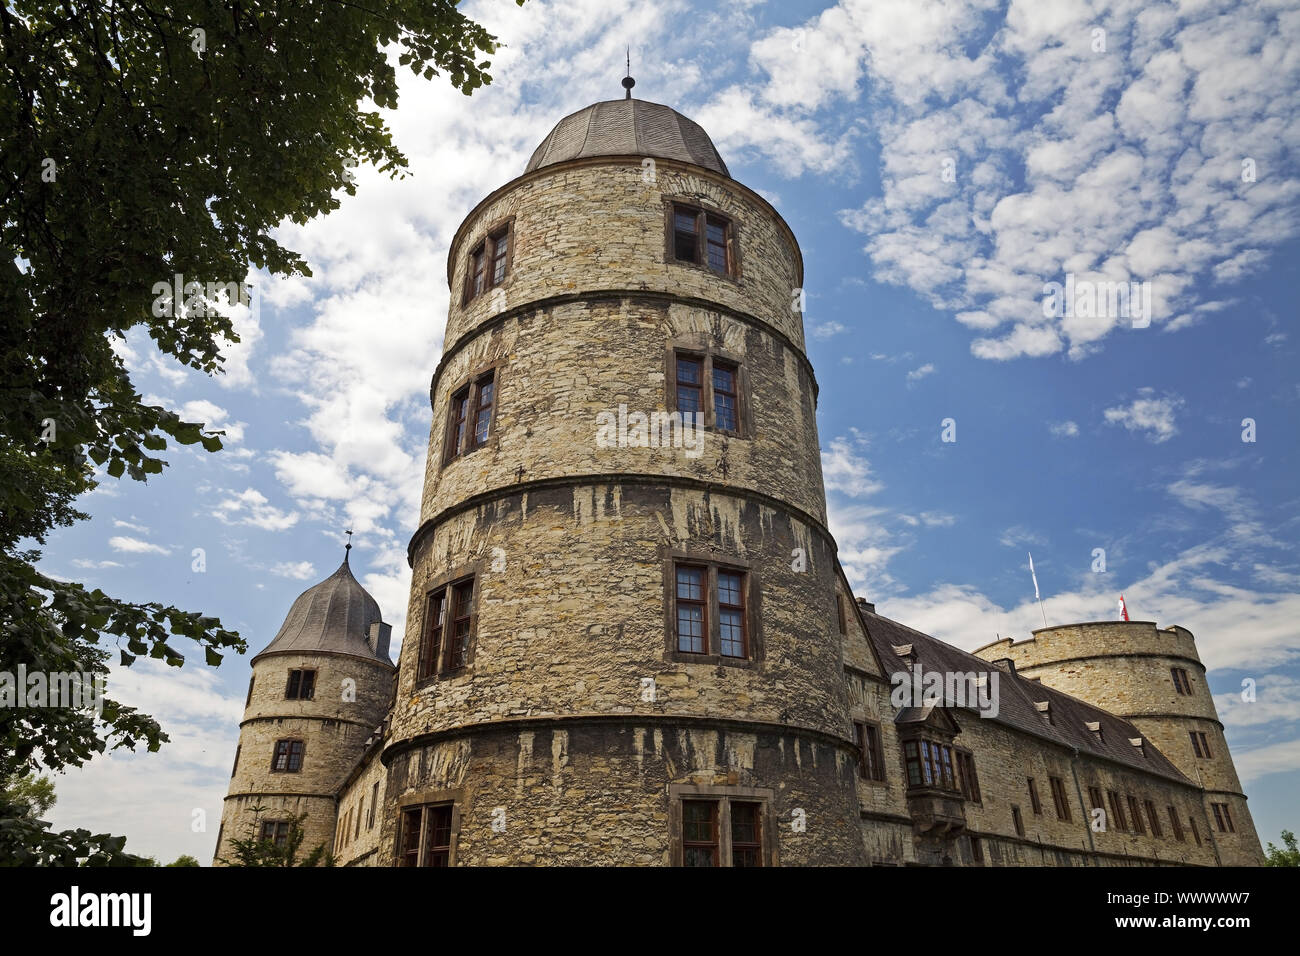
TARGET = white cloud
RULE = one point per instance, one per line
(251, 507)
(95, 565)
(825, 330)
(297, 570)
(846, 471)
(138, 528)
(919, 373)
(1066, 429)
(1149, 414)
(136, 546)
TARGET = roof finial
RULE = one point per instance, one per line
(348, 547)
(628, 82)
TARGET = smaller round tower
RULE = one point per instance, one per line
(317, 693)
(1154, 678)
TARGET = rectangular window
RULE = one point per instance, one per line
(1196, 831)
(1153, 819)
(1200, 744)
(725, 409)
(288, 756)
(731, 614)
(970, 781)
(690, 384)
(462, 605)
(1222, 818)
(1176, 824)
(249, 699)
(703, 238)
(489, 264)
(912, 759)
(1094, 798)
(746, 834)
(976, 850)
(871, 764)
(1116, 812)
(692, 604)
(425, 838)
(700, 832)
(469, 416)
(1018, 821)
(356, 832)
(235, 765)
(1181, 682)
(1059, 799)
(1034, 802)
(1135, 812)
(301, 686)
(275, 831)
(444, 647)
(374, 802)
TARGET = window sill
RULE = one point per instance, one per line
(734, 279)
(713, 660)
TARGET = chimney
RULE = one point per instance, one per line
(866, 605)
(1006, 663)
(377, 637)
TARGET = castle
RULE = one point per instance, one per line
(637, 646)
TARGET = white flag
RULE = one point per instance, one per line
(1034, 576)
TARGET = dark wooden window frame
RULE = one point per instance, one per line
(293, 687)
(1177, 824)
(249, 699)
(374, 803)
(1182, 683)
(702, 210)
(1060, 798)
(970, 785)
(1035, 803)
(486, 246)
(752, 589)
(279, 832)
(1201, 744)
(235, 766)
(926, 753)
(1117, 821)
(871, 751)
(1153, 819)
(724, 796)
(707, 353)
(1222, 816)
(471, 386)
(976, 850)
(1017, 820)
(302, 755)
(1135, 813)
(446, 585)
(424, 802)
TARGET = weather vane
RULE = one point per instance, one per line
(348, 546)
(628, 82)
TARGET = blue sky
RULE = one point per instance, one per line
(1115, 158)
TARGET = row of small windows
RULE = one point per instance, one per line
(350, 825)
(1117, 818)
(940, 766)
(702, 384)
(697, 236)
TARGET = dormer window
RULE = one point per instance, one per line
(489, 263)
(1094, 726)
(1044, 708)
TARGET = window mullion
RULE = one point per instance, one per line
(724, 832)
(706, 391)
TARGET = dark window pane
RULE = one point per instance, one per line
(724, 411)
(690, 583)
(700, 832)
(690, 628)
(746, 838)
(685, 236)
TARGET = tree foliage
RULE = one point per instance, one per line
(138, 142)
(252, 850)
(1289, 855)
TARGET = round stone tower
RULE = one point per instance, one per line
(1154, 678)
(621, 642)
(319, 690)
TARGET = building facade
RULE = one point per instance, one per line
(629, 640)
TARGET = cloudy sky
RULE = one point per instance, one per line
(939, 163)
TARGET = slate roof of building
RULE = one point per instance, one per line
(1017, 697)
(332, 616)
(628, 128)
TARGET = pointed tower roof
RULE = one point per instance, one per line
(628, 127)
(333, 616)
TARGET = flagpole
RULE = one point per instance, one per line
(1033, 575)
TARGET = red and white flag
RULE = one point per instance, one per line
(1123, 608)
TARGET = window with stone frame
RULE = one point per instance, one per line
(1223, 818)
(1196, 831)
(1035, 803)
(1200, 744)
(712, 612)
(426, 834)
(1153, 818)
(469, 416)
(449, 625)
(1181, 682)
(871, 761)
(929, 763)
(1116, 812)
(249, 699)
(1060, 800)
(721, 826)
(1177, 824)
(274, 831)
(287, 756)
(301, 685)
(1018, 821)
(976, 851)
(374, 802)
(968, 778)
(702, 237)
(710, 386)
(1135, 815)
(235, 765)
(489, 263)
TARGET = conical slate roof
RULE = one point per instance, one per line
(334, 616)
(628, 128)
